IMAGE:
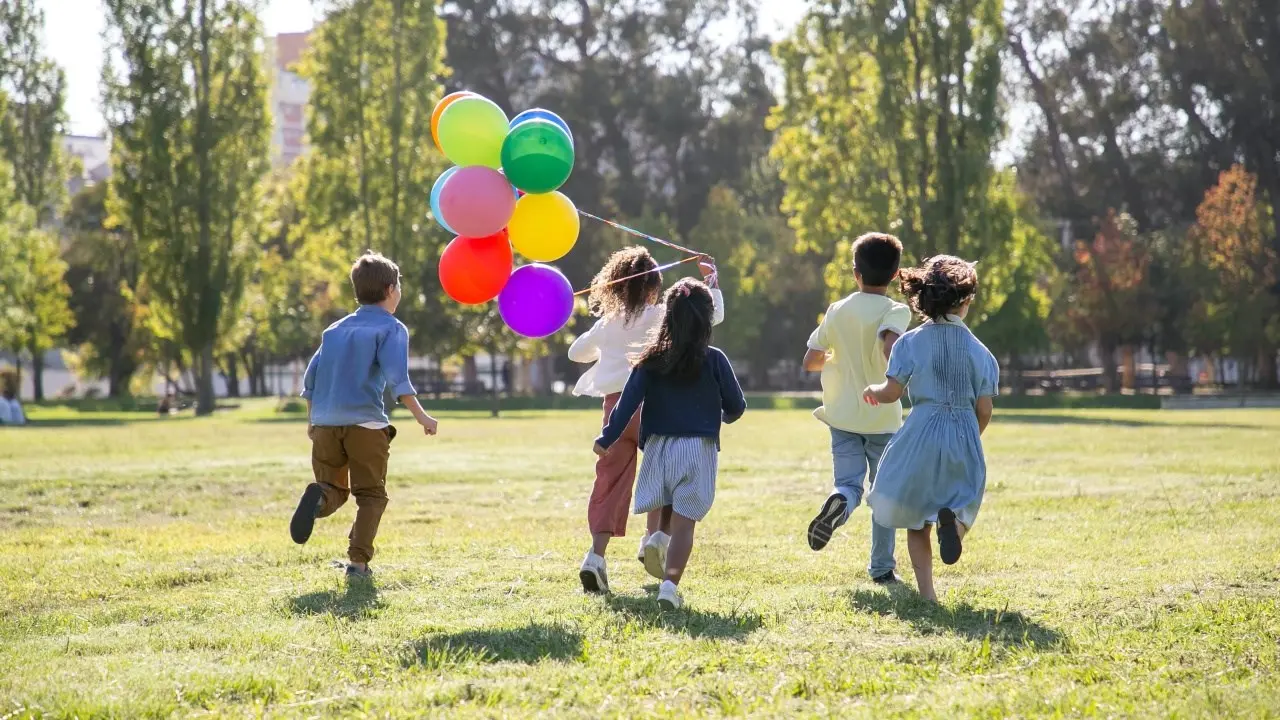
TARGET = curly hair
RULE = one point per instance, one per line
(679, 347)
(627, 299)
(940, 285)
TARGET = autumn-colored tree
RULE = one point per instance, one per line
(1232, 240)
(1110, 300)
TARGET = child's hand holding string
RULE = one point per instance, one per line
(707, 266)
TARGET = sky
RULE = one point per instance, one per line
(73, 37)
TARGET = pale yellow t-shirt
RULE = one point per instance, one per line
(850, 334)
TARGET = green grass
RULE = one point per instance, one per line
(1126, 563)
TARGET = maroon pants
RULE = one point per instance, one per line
(610, 503)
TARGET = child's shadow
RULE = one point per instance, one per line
(528, 645)
(357, 602)
(1003, 626)
(694, 623)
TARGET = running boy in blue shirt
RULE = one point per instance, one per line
(349, 428)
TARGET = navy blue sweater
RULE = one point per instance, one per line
(679, 409)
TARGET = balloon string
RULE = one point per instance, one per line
(668, 266)
(639, 234)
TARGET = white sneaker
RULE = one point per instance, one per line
(595, 579)
(655, 554)
(644, 540)
(669, 597)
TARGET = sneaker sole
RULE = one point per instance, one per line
(655, 562)
(304, 518)
(665, 604)
(823, 526)
(590, 583)
(949, 546)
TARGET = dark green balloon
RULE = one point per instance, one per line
(537, 156)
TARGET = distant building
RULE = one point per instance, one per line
(289, 96)
(95, 160)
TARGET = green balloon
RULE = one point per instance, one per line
(471, 131)
(537, 156)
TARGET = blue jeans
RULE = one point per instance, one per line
(855, 457)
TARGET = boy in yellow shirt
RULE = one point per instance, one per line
(851, 348)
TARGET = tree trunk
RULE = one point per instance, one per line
(37, 374)
(1267, 368)
(470, 374)
(205, 400)
(1179, 376)
(1128, 368)
(1108, 352)
(232, 376)
(118, 380)
(1017, 386)
(496, 410)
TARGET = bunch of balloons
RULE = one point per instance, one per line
(502, 194)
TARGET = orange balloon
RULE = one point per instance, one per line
(440, 106)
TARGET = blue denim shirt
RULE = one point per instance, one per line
(358, 357)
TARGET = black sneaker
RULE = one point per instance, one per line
(824, 524)
(889, 578)
(304, 518)
(356, 573)
(949, 547)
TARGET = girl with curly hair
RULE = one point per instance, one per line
(933, 471)
(626, 296)
(688, 390)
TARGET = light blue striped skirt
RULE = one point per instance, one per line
(680, 472)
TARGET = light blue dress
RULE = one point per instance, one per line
(935, 461)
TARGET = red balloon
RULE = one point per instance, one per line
(474, 270)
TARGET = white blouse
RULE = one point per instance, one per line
(612, 343)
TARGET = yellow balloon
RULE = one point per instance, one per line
(544, 228)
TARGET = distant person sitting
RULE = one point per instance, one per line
(167, 405)
(11, 410)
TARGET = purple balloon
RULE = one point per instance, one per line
(477, 201)
(537, 301)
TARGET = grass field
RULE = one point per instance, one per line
(1126, 563)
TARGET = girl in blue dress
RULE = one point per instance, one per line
(933, 471)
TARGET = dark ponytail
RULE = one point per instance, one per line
(940, 285)
(680, 345)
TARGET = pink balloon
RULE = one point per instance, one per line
(477, 201)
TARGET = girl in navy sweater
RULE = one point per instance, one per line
(687, 389)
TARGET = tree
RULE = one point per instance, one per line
(1110, 301)
(103, 272)
(32, 291)
(1112, 131)
(29, 129)
(35, 116)
(1232, 238)
(773, 294)
(1223, 59)
(296, 285)
(186, 104)
(666, 100)
(375, 69)
(889, 122)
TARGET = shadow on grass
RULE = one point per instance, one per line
(85, 422)
(1060, 419)
(354, 603)
(1002, 626)
(529, 645)
(694, 623)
